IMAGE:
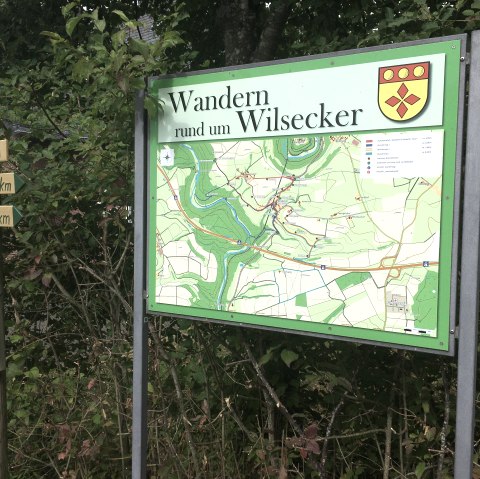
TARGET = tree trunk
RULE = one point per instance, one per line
(244, 41)
(272, 31)
(238, 19)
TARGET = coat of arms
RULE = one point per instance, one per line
(403, 90)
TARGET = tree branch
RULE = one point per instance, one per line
(349, 436)
(45, 112)
(328, 432)
(109, 285)
(271, 391)
(446, 417)
(179, 393)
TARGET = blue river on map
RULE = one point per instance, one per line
(231, 253)
(234, 213)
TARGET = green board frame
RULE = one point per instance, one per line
(453, 49)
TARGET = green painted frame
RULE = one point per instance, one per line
(454, 50)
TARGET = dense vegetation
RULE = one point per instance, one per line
(223, 402)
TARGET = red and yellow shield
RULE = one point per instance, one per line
(403, 90)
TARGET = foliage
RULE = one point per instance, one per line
(223, 403)
(70, 261)
(313, 28)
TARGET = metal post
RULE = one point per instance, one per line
(469, 290)
(140, 332)
(3, 373)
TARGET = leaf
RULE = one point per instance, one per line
(265, 358)
(88, 449)
(27, 235)
(359, 471)
(137, 83)
(132, 25)
(313, 446)
(118, 38)
(100, 24)
(475, 5)
(32, 274)
(66, 9)
(140, 47)
(311, 431)
(340, 381)
(296, 441)
(121, 15)
(430, 433)
(71, 24)
(52, 35)
(122, 83)
(171, 39)
(288, 357)
(14, 369)
(261, 454)
(151, 106)
(420, 469)
(34, 373)
(82, 69)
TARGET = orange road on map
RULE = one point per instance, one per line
(285, 258)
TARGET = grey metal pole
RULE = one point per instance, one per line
(469, 289)
(140, 331)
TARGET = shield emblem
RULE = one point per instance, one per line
(403, 90)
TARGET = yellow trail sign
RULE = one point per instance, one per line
(3, 150)
(9, 216)
(10, 183)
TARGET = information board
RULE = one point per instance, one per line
(315, 195)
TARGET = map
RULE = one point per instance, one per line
(336, 229)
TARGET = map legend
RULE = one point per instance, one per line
(402, 155)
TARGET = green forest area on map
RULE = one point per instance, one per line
(292, 228)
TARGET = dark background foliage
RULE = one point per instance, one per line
(223, 402)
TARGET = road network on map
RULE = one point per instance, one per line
(297, 228)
